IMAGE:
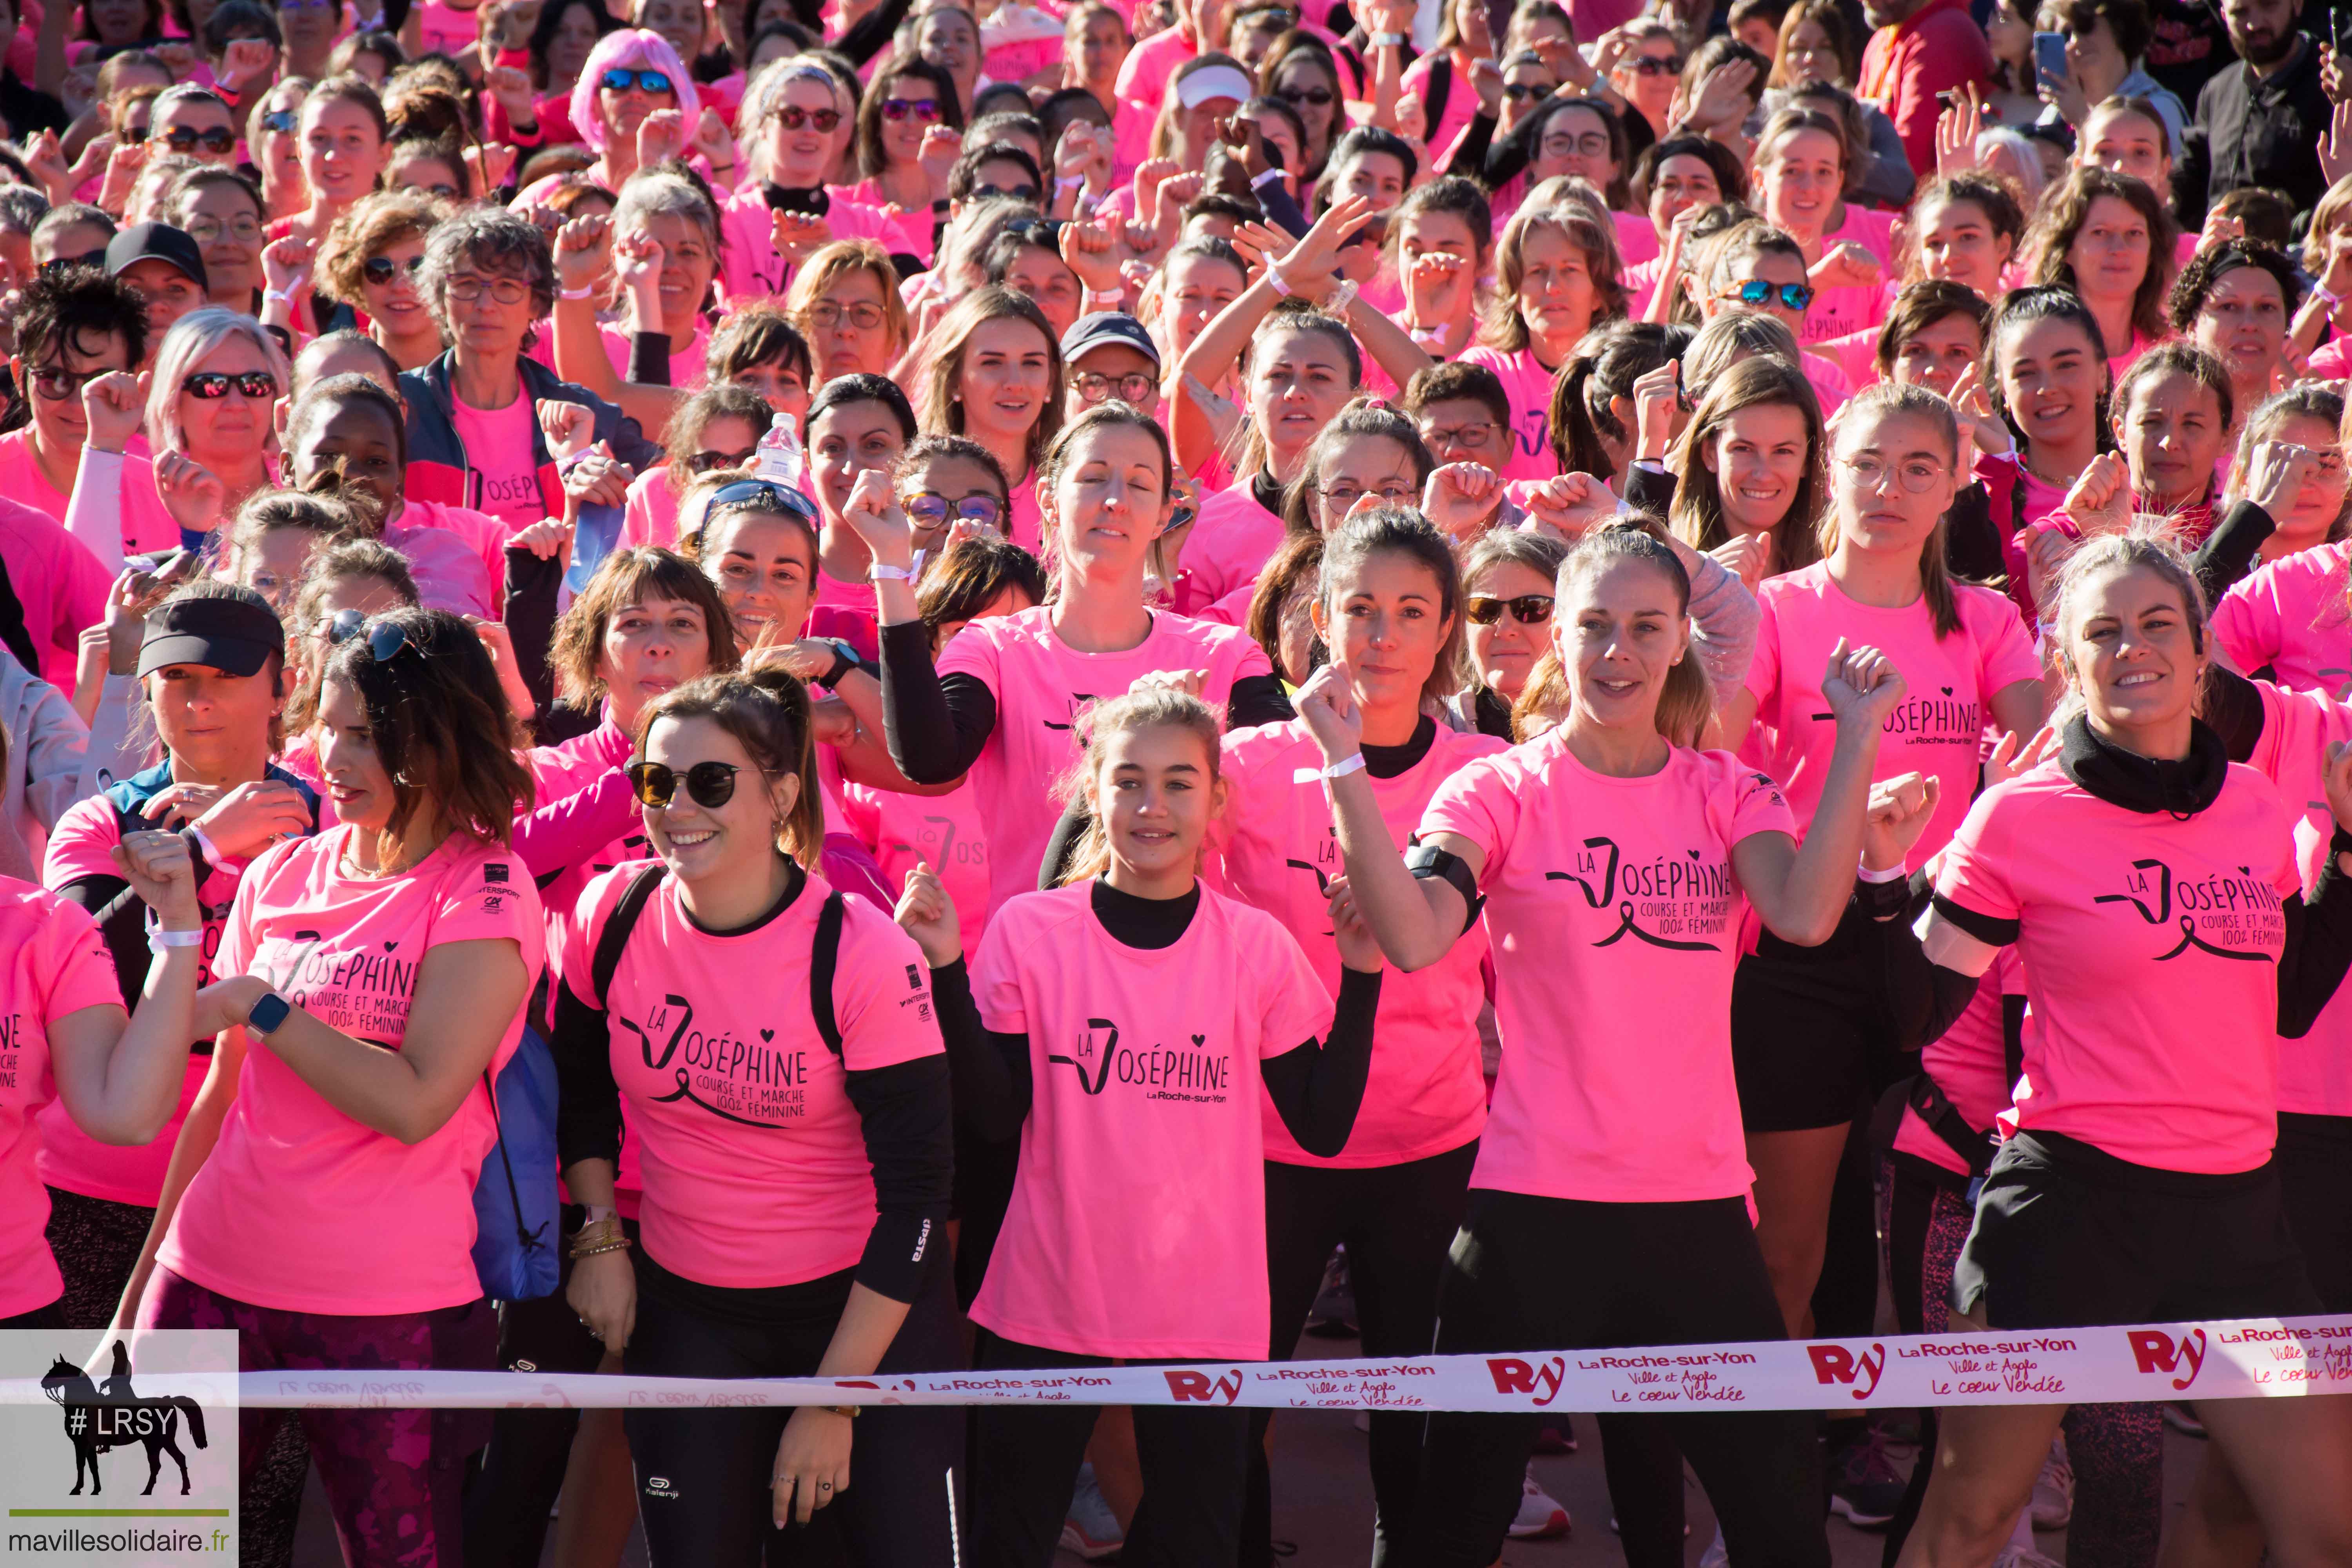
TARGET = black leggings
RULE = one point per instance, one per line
(703, 1476)
(1529, 1273)
(1397, 1222)
(2314, 1166)
(1027, 1462)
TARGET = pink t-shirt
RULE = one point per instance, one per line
(1637, 237)
(943, 830)
(1137, 1221)
(1970, 1064)
(55, 964)
(689, 370)
(21, 479)
(497, 443)
(2291, 616)
(897, 232)
(444, 28)
(1943, 717)
(1228, 546)
(445, 547)
(1040, 685)
(1144, 75)
(753, 1159)
(301, 1207)
(1427, 1092)
(57, 580)
(2151, 948)
(2316, 1071)
(1610, 899)
(650, 516)
(1529, 386)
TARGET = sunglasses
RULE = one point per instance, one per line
(709, 785)
(210, 384)
(1651, 65)
(133, 134)
(382, 269)
(1313, 97)
(1527, 609)
(931, 509)
(281, 120)
(384, 640)
(903, 107)
(58, 386)
(1520, 91)
(218, 141)
(759, 495)
(1045, 231)
(1019, 193)
(711, 462)
(622, 81)
(1755, 291)
(792, 117)
(58, 264)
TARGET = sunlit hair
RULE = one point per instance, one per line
(2063, 213)
(1288, 46)
(756, 334)
(1698, 518)
(971, 575)
(1901, 400)
(185, 347)
(1151, 709)
(1504, 327)
(2210, 265)
(1793, 122)
(1402, 531)
(1684, 699)
(2334, 210)
(2106, 555)
(669, 190)
(682, 437)
(837, 261)
(634, 48)
(1111, 414)
(326, 519)
(1291, 315)
(379, 219)
(640, 574)
(1365, 418)
(767, 711)
(941, 407)
(1991, 195)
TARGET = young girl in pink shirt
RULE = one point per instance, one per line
(1131, 1023)
(2137, 1181)
(2046, 378)
(1614, 866)
(795, 1188)
(411, 912)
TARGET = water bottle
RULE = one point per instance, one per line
(780, 459)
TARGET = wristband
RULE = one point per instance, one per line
(2321, 292)
(1388, 40)
(1884, 900)
(1069, 183)
(843, 661)
(279, 296)
(1892, 874)
(1281, 284)
(588, 293)
(1344, 766)
(158, 938)
(878, 573)
(1259, 182)
(1335, 303)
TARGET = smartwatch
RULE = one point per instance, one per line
(268, 1014)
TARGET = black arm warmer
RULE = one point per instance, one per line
(1972, 543)
(935, 728)
(2229, 552)
(2319, 945)
(1649, 489)
(1257, 700)
(1282, 208)
(1470, 154)
(2232, 710)
(122, 925)
(1319, 1088)
(649, 358)
(532, 585)
(588, 1102)
(1062, 844)
(904, 1111)
(991, 1070)
(865, 39)
(1926, 999)
(1509, 155)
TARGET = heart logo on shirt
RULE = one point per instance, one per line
(1199, 1040)
(767, 1034)
(1692, 853)
(390, 945)
(2245, 870)
(1947, 691)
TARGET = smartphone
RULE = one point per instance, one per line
(2050, 54)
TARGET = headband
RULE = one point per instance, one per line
(1212, 83)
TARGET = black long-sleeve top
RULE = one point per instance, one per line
(1317, 1088)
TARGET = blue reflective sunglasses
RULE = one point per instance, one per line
(620, 80)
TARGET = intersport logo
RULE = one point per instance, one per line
(2154, 1351)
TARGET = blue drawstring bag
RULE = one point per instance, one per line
(515, 1207)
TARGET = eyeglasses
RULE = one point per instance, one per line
(281, 120)
(1465, 438)
(709, 785)
(382, 269)
(1093, 386)
(1344, 496)
(58, 264)
(441, 188)
(209, 385)
(1651, 65)
(1755, 291)
(792, 117)
(759, 495)
(827, 315)
(218, 141)
(242, 228)
(1591, 144)
(624, 80)
(1045, 231)
(711, 462)
(1019, 193)
(917, 108)
(931, 509)
(1312, 97)
(505, 291)
(1527, 609)
(58, 386)
(384, 640)
(1916, 475)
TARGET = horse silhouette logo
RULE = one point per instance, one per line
(99, 1416)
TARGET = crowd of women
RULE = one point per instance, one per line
(1494, 680)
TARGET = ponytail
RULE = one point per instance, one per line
(766, 710)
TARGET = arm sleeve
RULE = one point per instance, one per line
(2319, 945)
(532, 588)
(905, 1113)
(2234, 709)
(935, 728)
(1255, 699)
(1649, 488)
(564, 833)
(122, 926)
(1318, 1088)
(1282, 208)
(864, 40)
(1923, 999)
(588, 1104)
(990, 1069)
(1507, 155)
(649, 359)
(1724, 617)
(94, 510)
(2229, 551)
(1972, 543)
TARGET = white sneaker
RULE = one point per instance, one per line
(1717, 1555)
(2053, 1489)
(1540, 1515)
(1091, 1529)
(2016, 1556)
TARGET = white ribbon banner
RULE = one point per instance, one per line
(2251, 1358)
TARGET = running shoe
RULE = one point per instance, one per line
(1333, 1316)
(2182, 1419)
(1540, 1515)
(2053, 1489)
(1092, 1529)
(2016, 1556)
(1865, 1488)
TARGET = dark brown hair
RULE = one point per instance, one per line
(624, 578)
(767, 711)
(2058, 222)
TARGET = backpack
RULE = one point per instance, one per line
(824, 952)
(514, 1214)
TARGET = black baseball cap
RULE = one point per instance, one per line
(156, 242)
(1088, 333)
(233, 635)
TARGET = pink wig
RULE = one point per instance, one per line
(630, 49)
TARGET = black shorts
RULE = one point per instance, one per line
(1809, 1031)
(2067, 1236)
(2314, 1167)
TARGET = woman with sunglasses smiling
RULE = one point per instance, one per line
(781, 1235)
(908, 137)
(1301, 70)
(1507, 604)
(717, 427)
(800, 120)
(630, 74)
(369, 264)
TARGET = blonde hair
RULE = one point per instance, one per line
(1684, 701)
(1697, 513)
(1151, 708)
(1889, 399)
(1504, 328)
(191, 337)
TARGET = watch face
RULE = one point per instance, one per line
(269, 1013)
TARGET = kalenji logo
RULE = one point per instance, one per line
(1835, 1363)
(1188, 1387)
(2157, 1350)
(1513, 1376)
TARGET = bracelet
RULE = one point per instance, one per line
(278, 296)
(159, 938)
(1344, 767)
(846, 1412)
(877, 572)
(1071, 182)
(587, 294)
(1388, 40)
(620, 1246)
(602, 1235)
(1281, 284)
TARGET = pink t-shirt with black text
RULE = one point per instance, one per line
(2290, 614)
(1529, 386)
(1615, 915)
(1427, 1092)
(497, 443)
(1944, 714)
(1137, 1226)
(299, 1206)
(753, 1161)
(54, 965)
(1040, 685)
(1227, 548)
(943, 831)
(2316, 1071)
(2151, 948)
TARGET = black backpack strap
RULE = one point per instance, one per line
(825, 957)
(1945, 1121)
(614, 937)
